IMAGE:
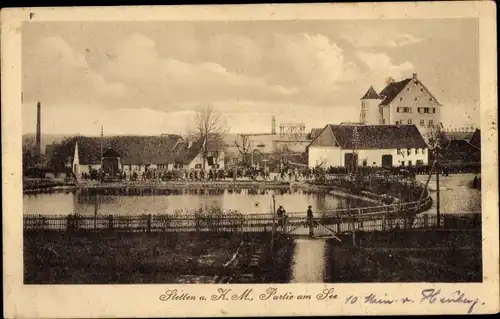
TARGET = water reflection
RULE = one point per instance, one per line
(133, 201)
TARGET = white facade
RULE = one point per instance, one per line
(197, 162)
(335, 156)
(370, 114)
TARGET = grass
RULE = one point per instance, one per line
(411, 256)
(100, 258)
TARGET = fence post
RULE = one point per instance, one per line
(383, 223)
(110, 222)
(426, 221)
(149, 223)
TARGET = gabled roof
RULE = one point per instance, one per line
(392, 90)
(476, 139)
(371, 94)
(315, 132)
(185, 153)
(379, 136)
(132, 149)
(111, 153)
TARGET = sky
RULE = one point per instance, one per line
(152, 77)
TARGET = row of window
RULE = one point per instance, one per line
(422, 122)
(410, 163)
(416, 99)
(408, 151)
(420, 110)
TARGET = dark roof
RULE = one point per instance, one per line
(111, 153)
(476, 139)
(133, 149)
(379, 136)
(392, 90)
(371, 94)
(460, 146)
(459, 135)
(315, 132)
(185, 153)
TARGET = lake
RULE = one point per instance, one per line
(135, 202)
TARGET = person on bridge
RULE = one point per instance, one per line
(310, 221)
(281, 216)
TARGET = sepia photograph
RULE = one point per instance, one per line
(253, 151)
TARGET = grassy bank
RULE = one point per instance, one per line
(406, 256)
(128, 258)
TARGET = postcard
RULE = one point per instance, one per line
(250, 160)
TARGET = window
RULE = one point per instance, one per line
(403, 163)
(161, 166)
(430, 99)
(401, 99)
(409, 122)
(374, 164)
(403, 110)
(431, 122)
(422, 122)
(408, 151)
(424, 110)
(399, 151)
(397, 122)
(421, 90)
(416, 150)
(197, 166)
(420, 162)
(365, 162)
(416, 99)
(383, 121)
(423, 151)
(433, 110)
(409, 163)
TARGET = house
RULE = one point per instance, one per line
(407, 102)
(375, 145)
(189, 154)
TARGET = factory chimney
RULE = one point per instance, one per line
(273, 125)
(38, 128)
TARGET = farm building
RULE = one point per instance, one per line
(368, 145)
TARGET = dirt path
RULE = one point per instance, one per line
(308, 261)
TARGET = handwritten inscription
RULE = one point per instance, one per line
(432, 296)
(427, 296)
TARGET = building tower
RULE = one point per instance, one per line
(273, 125)
(38, 138)
(370, 113)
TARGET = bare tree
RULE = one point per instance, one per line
(243, 146)
(436, 139)
(211, 127)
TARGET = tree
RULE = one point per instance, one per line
(31, 158)
(436, 139)
(243, 146)
(63, 155)
(211, 127)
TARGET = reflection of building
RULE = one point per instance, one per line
(407, 102)
(377, 145)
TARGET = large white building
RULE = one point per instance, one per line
(375, 145)
(407, 102)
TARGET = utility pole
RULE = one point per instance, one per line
(102, 145)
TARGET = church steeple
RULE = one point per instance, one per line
(371, 94)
